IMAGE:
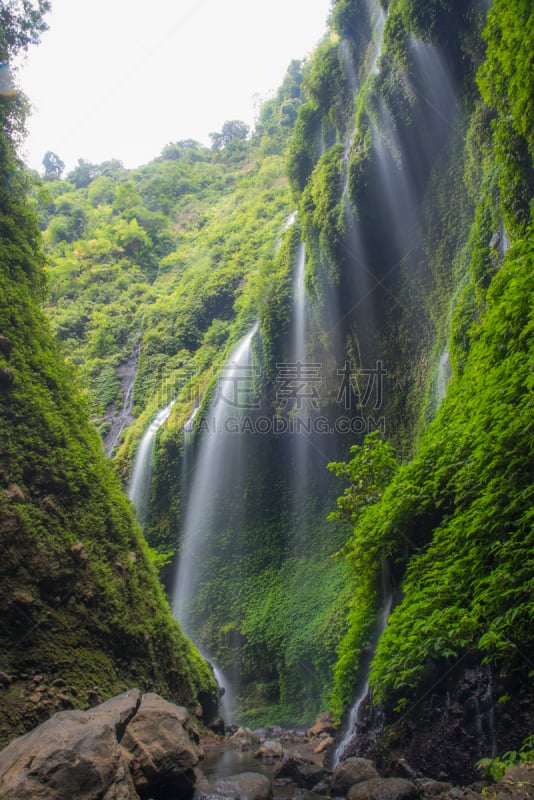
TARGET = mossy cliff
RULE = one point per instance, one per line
(406, 144)
(82, 612)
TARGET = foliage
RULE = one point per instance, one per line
(80, 600)
(495, 768)
(369, 470)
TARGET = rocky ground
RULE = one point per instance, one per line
(140, 747)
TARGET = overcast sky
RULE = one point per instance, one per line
(122, 78)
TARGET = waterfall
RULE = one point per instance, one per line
(299, 305)
(139, 488)
(303, 405)
(444, 374)
(214, 515)
(352, 723)
(127, 373)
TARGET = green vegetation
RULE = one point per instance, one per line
(496, 767)
(81, 602)
(411, 160)
(455, 522)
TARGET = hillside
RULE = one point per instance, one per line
(339, 303)
(82, 612)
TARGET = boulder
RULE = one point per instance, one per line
(164, 747)
(351, 771)
(217, 726)
(246, 786)
(324, 744)
(270, 749)
(384, 789)
(323, 724)
(306, 774)
(516, 784)
(244, 739)
(73, 754)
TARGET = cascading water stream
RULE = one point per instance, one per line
(213, 501)
(303, 405)
(362, 695)
(139, 488)
(443, 376)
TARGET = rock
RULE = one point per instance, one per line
(75, 754)
(217, 726)
(65, 700)
(244, 739)
(271, 748)
(7, 377)
(351, 771)
(324, 744)
(23, 599)
(6, 345)
(5, 679)
(15, 493)
(431, 787)
(304, 773)
(384, 789)
(322, 788)
(495, 240)
(246, 786)
(164, 745)
(323, 724)
(79, 553)
(48, 504)
(517, 783)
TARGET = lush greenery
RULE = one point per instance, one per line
(455, 522)
(80, 598)
(406, 143)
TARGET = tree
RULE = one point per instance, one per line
(53, 165)
(21, 24)
(232, 130)
(83, 173)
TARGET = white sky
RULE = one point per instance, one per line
(122, 78)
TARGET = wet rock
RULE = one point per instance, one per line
(431, 788)
(351, 771)
(244, 739)
(495, 240)
(270, 749)
(246, 786)
(305, 773)
(323, 724)
(164, 746)
(217, 726)
(324, 744)
(517, 783)
(384, 789)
